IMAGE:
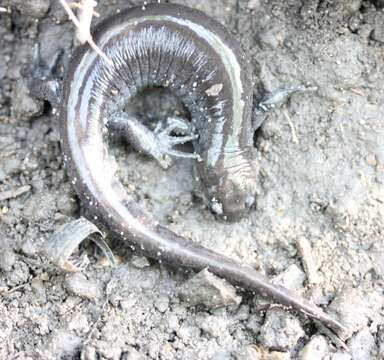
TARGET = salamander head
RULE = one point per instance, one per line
(234, 193)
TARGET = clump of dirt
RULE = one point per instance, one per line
(322, 179)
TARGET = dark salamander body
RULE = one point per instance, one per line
(182, 49)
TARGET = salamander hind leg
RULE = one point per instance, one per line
(159, 143)
(43, 84)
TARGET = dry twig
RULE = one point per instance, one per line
(309, 264)
(10, 194)
(83, 24)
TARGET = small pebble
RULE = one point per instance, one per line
(280, 331)
(30, 247)
(19, 275)
(209, 290)
(362, 345)
(38, 288)
(351, 6)
(350, 306)
(7, 259)
(162, 304)
(79, 285)
(292, 278)
(63, 344)
(316, 348)
(39, 207)
(9, 166)
(354, 22)
(24, 107)
(66, 202)
(271, 38)
(378, 30)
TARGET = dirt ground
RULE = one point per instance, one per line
(321, 180)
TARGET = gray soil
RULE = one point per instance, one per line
(321, 180)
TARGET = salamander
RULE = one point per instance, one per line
(182, 49)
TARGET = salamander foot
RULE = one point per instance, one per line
(158, 143)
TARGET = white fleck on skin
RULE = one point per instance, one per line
(214, 90)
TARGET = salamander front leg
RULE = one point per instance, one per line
(160, 143)
(273, 101)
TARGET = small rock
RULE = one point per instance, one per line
(378, 30)
(66, 201)
(354, 22)
(213, 325)
(162, 304)
(352, 309)
(39, 207)
(188, 332)
(316, 348)
(33, 8)
(362, 345)
(62, 345)
(79, 285)
(9, 166)
(280, 331)
(79, 323)
(19, 275)
(209, 290)
(24, 107)
(140, 262)
(342, 211)
(271, 38)
(38, 289)
(292, 278)
(351, 6)
(7, 259)
(30, 247)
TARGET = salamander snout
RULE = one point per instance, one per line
(233, 199)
